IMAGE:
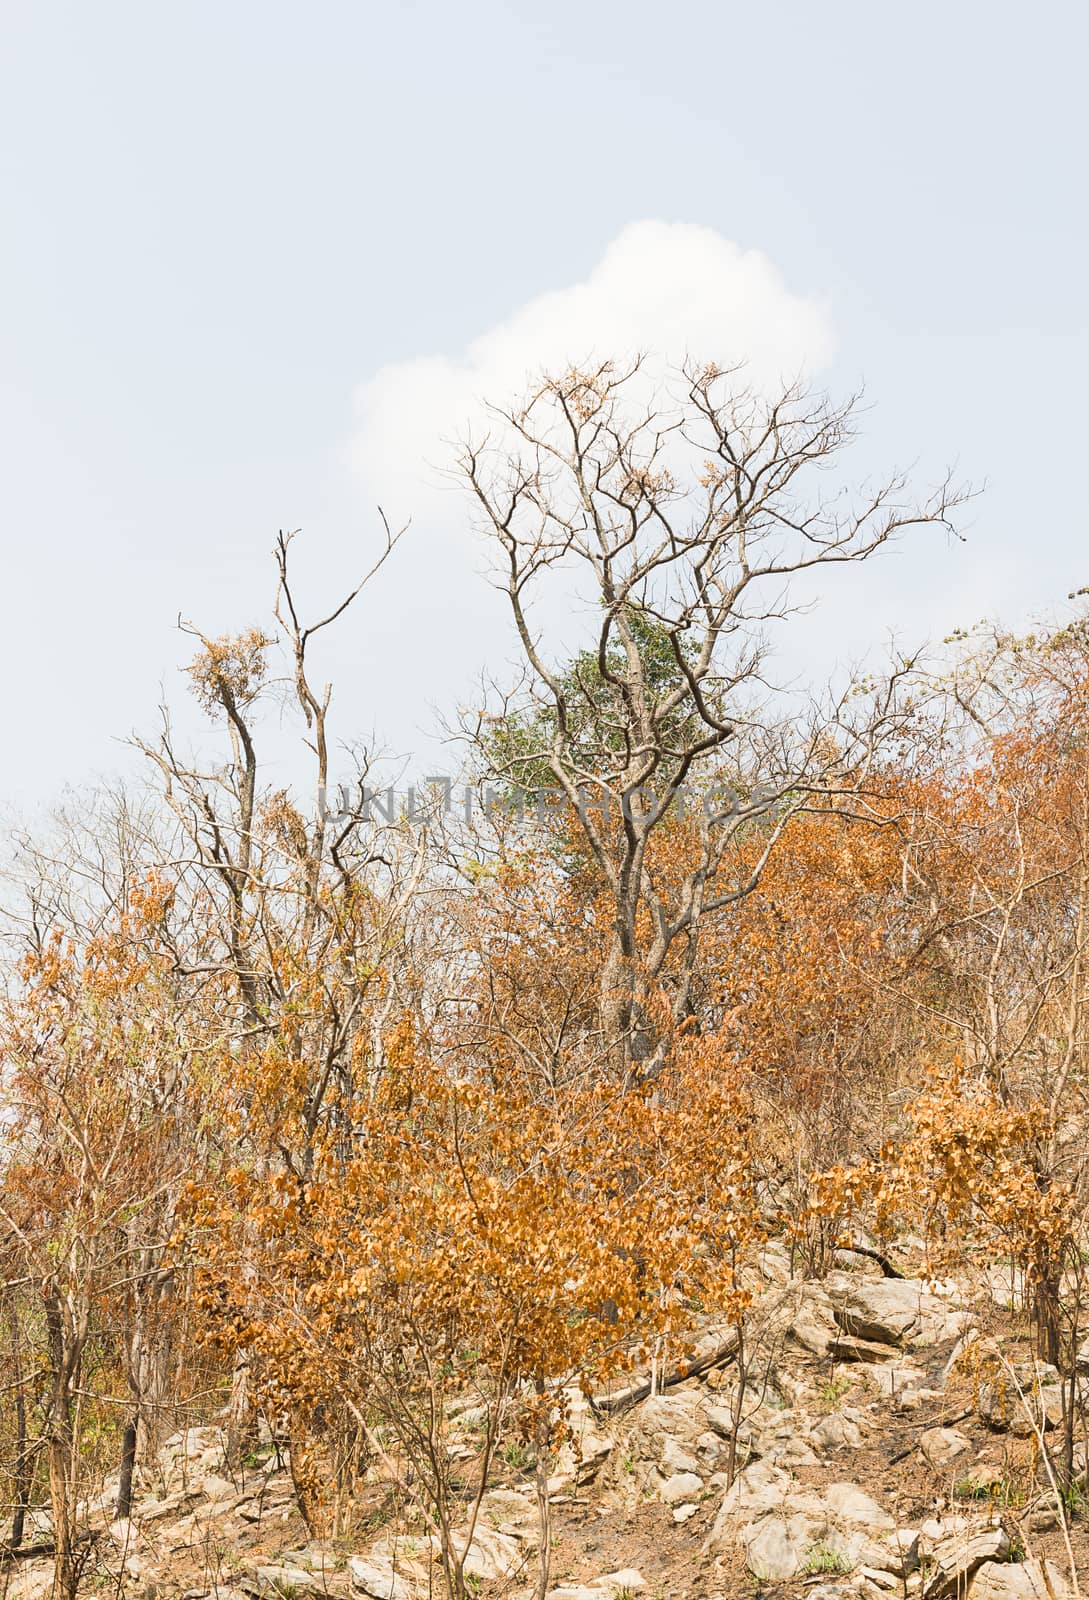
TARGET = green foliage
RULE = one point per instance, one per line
(823, 1558)
(832, 1392)
(1074, 1499)
(597, 717)
(516, 1454)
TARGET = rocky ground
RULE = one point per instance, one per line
(893, 1439)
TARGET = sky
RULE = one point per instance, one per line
(260, 260)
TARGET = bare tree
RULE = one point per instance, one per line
(685, 521)
(306, 908)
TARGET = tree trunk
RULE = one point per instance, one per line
(238, 1412)
(128, 1462)
(65, 1571)
(544, 1509)
(1046, 1310)
(22, 1454)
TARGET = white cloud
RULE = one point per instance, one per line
(669, 290)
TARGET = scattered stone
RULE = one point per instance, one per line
(837, 1432)
(940, 1446)
(682, 1513)
(594, 1451)
(680, 1486)
(510, 1511)
(281, 1581)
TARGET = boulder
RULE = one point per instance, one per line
(676, 1459)
(957, 1556)
(1020, 1580)
(852, 1504)
(837, 1432)
(893, 1311)
(776, 1547)
(378, 1579)
(492, 1555)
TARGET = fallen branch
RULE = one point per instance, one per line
(25, 1552)
(887, 1268)
(607, 1404)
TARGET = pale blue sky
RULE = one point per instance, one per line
(222, 221)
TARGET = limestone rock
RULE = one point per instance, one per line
(680, 1486)
(606, 1588)
(675, 1459)
(852, 1504)
(376, 1577)
(492, 1554)
(959, 1554)
(837, 1432)
(893, 1311)
(1020, 1580)
(279, 1581)
(776, 1546)
(940, 1446)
